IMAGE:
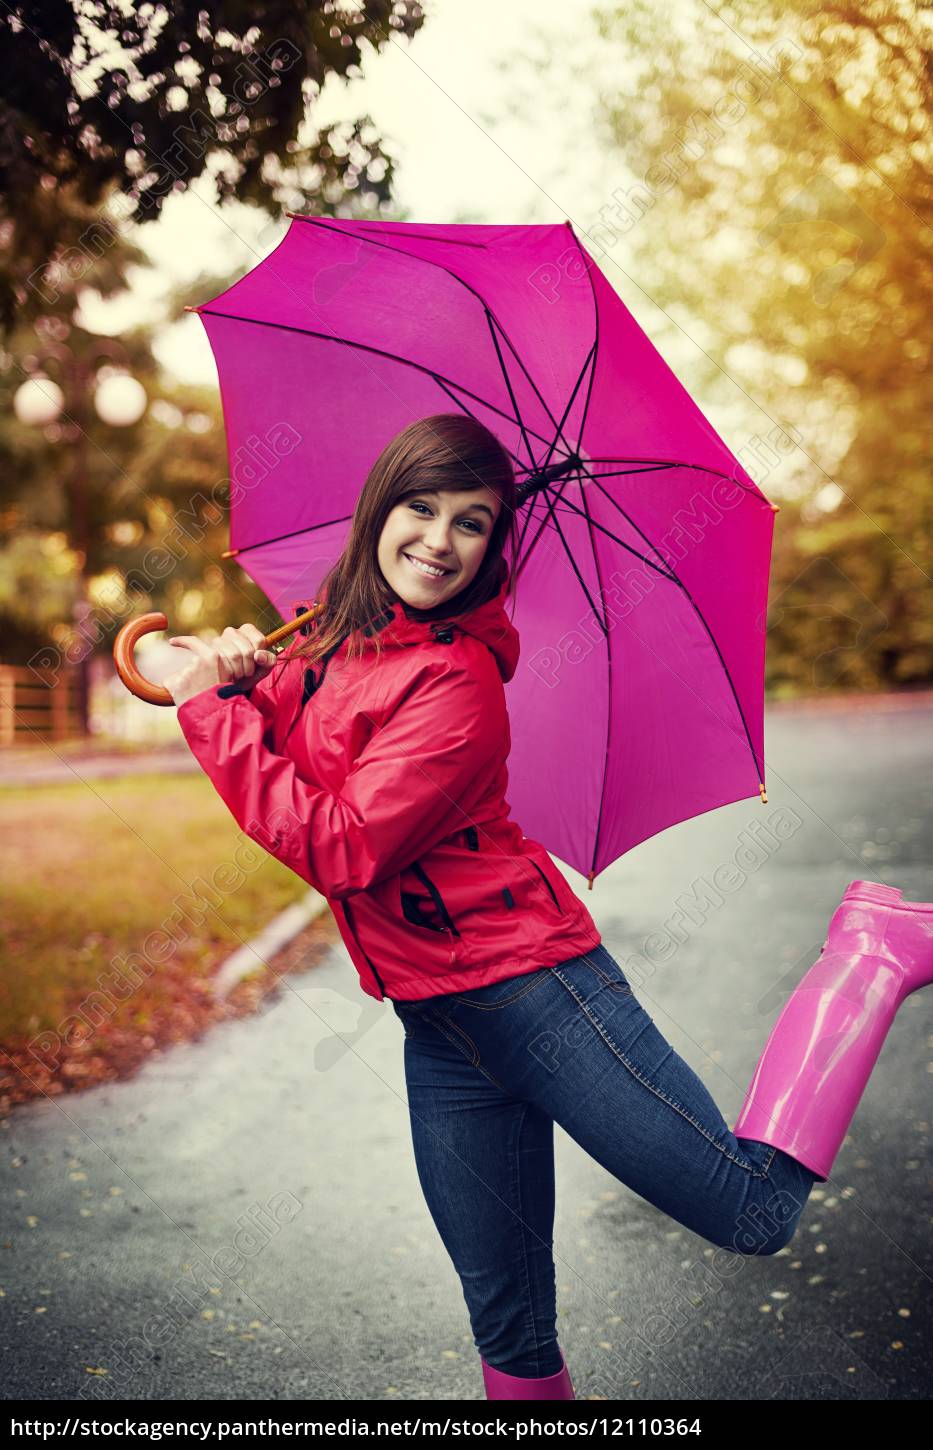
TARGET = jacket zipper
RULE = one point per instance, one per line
(356, 938)
(312, 682)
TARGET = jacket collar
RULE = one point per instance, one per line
(488, 622)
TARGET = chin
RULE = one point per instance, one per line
(426, 600)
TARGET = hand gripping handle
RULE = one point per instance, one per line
(125, 644)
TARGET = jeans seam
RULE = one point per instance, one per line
(496, 1006)
(612, 982)
(639, 1077)
(437, 1019)
(526, 1274)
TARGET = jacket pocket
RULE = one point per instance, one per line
(551, 891)
(428, 911)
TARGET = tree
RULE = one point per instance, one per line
(775, 202)
(124, 106)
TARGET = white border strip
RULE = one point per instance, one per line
(270, 941)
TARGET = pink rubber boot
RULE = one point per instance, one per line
(826, 1041)
(501, 1386)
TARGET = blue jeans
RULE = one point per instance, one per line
(490, 1071)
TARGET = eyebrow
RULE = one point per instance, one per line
(433, 492)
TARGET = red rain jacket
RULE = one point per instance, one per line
(382, 784)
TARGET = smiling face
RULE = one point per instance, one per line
(448, 530)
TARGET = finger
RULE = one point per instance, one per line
(196, 646)
(239, 649)
(247, 640)
(244, 659)
(230, 660)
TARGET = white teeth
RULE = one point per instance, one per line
(432, 573)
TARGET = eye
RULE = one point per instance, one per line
(475, 528)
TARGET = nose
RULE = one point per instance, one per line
(437, 537)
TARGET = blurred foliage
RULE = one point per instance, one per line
(107, 110)
(124, 105)
(775, 200)
(156, 492)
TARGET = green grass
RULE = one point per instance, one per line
(90, 869)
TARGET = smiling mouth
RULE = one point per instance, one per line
(425, 571)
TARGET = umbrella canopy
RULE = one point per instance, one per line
(645, 546)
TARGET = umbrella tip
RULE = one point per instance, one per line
(776, 508)
(229, 553)
(762, 792)
(186, 308)
(589, 880)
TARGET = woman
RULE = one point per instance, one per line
(372, 761)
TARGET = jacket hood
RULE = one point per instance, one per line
(487, 622)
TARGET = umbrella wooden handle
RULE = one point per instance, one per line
(125, 644)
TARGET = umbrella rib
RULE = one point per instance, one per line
(533, 466)
(494, 324)
(569, 404)
(609, 712)
(521, 539)
(596, 525)
(292, 534)
(419, 236)
(629, 520)
(664, 572)
(525, 523)
(523, 467)
(523, 560)
(671, 463)
(583, 586)
(365, 347)
(521, 423)
(588, 263)
(430, 262)
(624, 472)
(676, 579)
(508, 383)
(667, 573)
(548, 456)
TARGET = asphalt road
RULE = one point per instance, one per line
(243, 1220)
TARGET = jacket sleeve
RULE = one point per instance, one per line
(402, 796)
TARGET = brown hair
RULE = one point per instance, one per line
(446, 450)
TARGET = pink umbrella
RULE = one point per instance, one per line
(645, 546)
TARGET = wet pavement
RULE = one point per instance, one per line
(243, 1220)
